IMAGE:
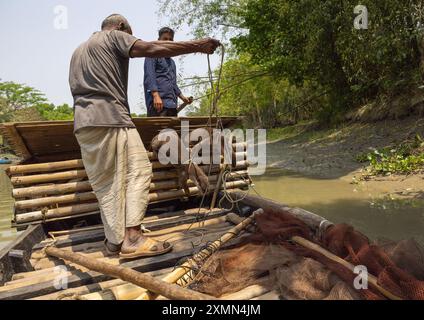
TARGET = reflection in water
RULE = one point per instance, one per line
(339, 201)
(6, 209)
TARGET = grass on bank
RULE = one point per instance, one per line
(405, 158)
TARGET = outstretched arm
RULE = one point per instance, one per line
(165, 49)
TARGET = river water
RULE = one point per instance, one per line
(339, 201)
(335, 199)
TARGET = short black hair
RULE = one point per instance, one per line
(166, 30)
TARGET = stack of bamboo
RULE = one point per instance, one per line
(57, 190)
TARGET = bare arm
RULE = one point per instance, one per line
(165, 49)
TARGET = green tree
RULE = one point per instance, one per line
(18, 96)
(52, 112)
(249, 90)
(19, 102)
(314, 42)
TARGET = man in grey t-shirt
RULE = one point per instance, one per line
(113, 154)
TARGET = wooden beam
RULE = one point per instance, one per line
(15, 140)
(140, 279)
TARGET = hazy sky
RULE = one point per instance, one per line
(36, 53)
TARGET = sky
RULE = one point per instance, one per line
(38, 38)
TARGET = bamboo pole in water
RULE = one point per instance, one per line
(167, 290)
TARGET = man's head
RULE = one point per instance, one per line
(166, 34)
(116, 22)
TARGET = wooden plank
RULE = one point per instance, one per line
(315, 222)
(55, 139)
(142, 265)
(25, 241)
(98, 235)
(15, 140)
(176, 235)
(94, 287)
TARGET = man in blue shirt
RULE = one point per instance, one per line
(160, 83)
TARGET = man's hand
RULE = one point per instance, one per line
(187, 100)
(157, 101)
(209, 45)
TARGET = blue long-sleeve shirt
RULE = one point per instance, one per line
(160, 74)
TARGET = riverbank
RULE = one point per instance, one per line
(333, 153)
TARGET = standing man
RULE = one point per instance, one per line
(160, 83)
(113, 154)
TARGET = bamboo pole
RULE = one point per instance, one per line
(171, 291)
(48, 177)
(315, 247)
(183, 274)
(56, 213)
(81, 174)
(371, 279)
(87, 196)
(75, 174)
(78, 163)
(53, 189)
(217, 187)
(46, 167)
(48, 201)
(88, 207)
(83, 186)
(179, 272)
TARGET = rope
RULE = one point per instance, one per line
(213, 110)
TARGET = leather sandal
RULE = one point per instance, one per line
(148, 248)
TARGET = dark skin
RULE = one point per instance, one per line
(157, 101)
(159, 49)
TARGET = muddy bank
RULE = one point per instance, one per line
(332, 154)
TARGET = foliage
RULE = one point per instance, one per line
(19, 102)
(52, 112)
(264, 100)
(406, 158)
(5, 110)
(205, 17)
(20, 96)
(313, 44)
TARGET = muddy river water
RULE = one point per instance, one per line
(335, 199)
(338, 201)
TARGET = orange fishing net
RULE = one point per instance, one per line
(297, 272)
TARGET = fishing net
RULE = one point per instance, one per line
(297, 272)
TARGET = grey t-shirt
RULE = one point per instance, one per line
(98, 78)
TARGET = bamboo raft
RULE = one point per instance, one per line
(54, 205)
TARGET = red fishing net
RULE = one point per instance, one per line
(298, 272)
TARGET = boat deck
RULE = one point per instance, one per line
(187, 230)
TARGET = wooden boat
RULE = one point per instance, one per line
(5, 161)
(54, 202)
(61, 226)
(28, 273)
